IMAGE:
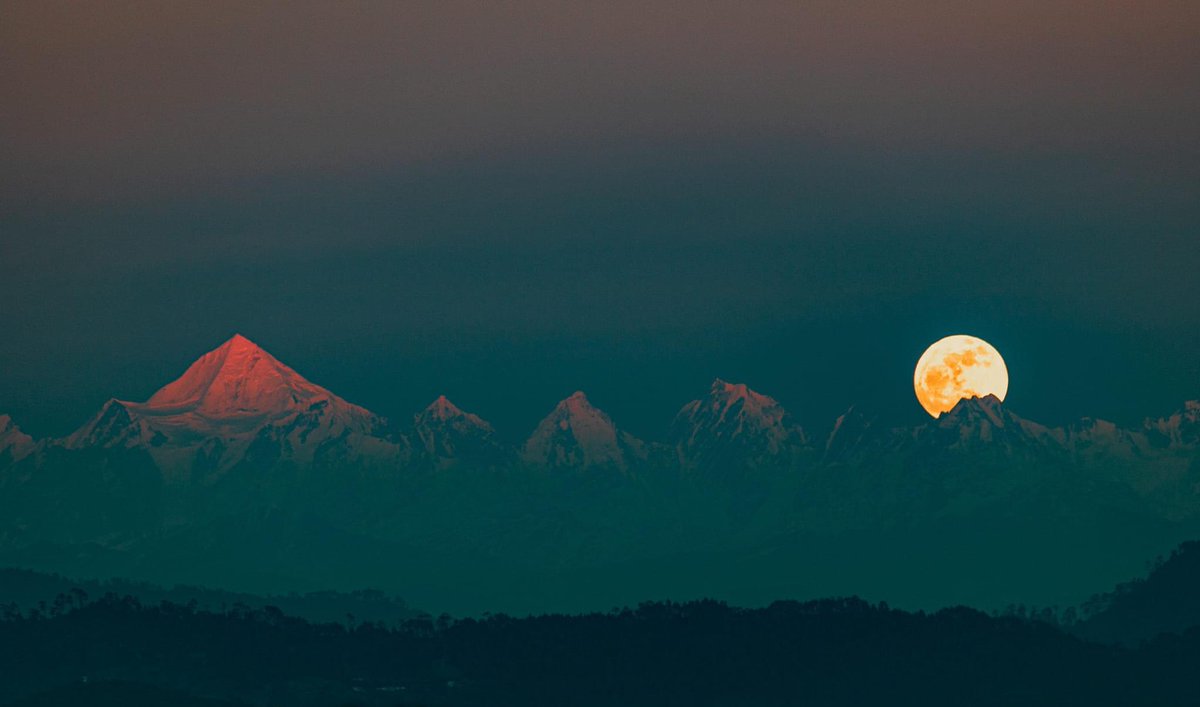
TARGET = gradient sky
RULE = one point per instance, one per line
(508, 202)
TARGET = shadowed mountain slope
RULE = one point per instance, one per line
(1165, 601)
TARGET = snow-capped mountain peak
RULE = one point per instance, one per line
(588, 424)
(734, 425)
(725, 395)
(229, 399)
(577, 404)
(443, 409)
(237, 378)
(577, 434)
(449, 436)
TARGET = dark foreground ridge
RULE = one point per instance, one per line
(832, 652)
(1136, 645)
(26, 590)
(1166, 601)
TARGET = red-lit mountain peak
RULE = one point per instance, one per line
(443, 415)
(724, 396)
(732, 410)
(232, 397)
(14, 443)
(733, 426)
(577, 434)
(442, 409)
(236, 379)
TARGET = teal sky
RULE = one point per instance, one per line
(508, 205)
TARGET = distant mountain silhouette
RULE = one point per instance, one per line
(27, 590)
(1166, 601)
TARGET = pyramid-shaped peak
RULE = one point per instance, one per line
(576, 411)
(575, 405)
(237, 378)
(448, 436)
(442, 408)
(236, 403)
(239, 342)
(577, 434)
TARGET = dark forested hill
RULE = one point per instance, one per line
(1166, 601)
(27, 590)
(117, 694)
(833, 652)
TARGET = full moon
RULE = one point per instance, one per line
(958, 367)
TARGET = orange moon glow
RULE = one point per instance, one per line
(958, 367)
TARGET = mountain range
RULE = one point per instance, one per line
(238, 403)
(243, 468)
